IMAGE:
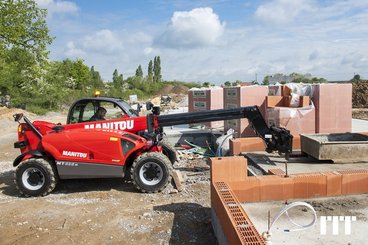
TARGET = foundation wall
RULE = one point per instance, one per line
(229, 189)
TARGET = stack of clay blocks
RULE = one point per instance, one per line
(206, 99)
(333, 104)
(235, 97)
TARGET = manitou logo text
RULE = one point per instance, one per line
(74, 154)
(123, 125)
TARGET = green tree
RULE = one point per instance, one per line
(22, 24)
(150, 71)
(117, 80)
(157, 69)
(206, 84)
(266, 80)
(139, 72)
(80, 72)
(227, 84)
(18, 73)
(356, 78)
(96, 80)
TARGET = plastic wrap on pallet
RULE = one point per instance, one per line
(297, 120)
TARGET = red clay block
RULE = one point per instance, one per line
(247, 190)
(333, 183)
(304, 101)
(309, 185)
(228, 169)
(277, 101)
(296, 141)
(251, 144)
(246, 145)
(276, 171)
(235, 147)
(274, 187)
(354, 181)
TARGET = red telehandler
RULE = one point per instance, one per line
(125, 146)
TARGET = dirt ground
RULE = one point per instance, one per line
(102, 211)
(361, 113)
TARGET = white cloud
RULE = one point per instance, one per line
(198, 27)
(103, 42)
(72, 51)
(282, 11)
(327, 40)
(58, 6)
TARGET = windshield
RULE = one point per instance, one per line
(129, 110)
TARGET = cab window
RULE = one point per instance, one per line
(112, 111)
(89, 111)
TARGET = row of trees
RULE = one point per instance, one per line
(154, 71)
(293, 78)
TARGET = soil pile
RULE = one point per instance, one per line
(180, 89)
(360, 94)
(166, 89)
(170, 89)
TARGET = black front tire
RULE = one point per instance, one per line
(169, 150)
(35, 177)
(151, 172)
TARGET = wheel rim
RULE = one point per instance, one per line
(151, 173)
(33, 179)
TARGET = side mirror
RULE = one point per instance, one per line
(149, 105)
(17, 117)
(156, 110)
(139, 107)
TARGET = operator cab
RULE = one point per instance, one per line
(82, 110)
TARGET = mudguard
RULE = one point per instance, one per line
(31, 153)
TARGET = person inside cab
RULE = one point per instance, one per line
(99, 115)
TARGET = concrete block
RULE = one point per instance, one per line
(339, 147)
(178, 180)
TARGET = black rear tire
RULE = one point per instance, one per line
(151, 172)
(35, 177)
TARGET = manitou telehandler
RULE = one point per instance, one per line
(124, 146)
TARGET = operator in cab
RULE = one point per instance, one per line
(99, 115)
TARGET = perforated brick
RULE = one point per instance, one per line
(243, 225)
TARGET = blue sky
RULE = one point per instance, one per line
(213, 41)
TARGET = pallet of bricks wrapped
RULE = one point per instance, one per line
(310, 108)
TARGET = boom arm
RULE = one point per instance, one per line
(276, 139)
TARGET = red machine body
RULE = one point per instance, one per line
(126, 144)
